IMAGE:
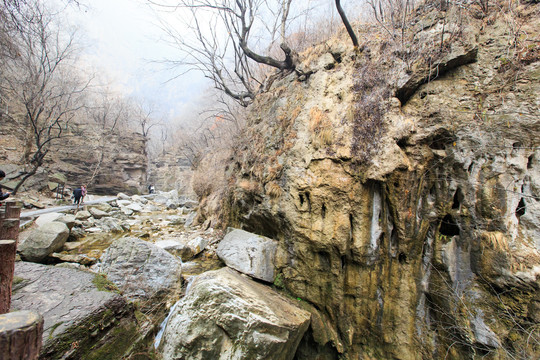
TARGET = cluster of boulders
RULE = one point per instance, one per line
(54, 232)
(151, 247)
(230, 314)
(91, 308)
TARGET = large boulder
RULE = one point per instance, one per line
(77, 309)
(139, 199)
(122, 196)
(249, 253)
(111, 224)
(123, 202)
(226, 315)
(67, 219)
(47, 218)
(161, 199)
(43, 241)
(140, 269)
(83, 215)
(106, 207)
(135, 207)
(175, 247)
(97, 213)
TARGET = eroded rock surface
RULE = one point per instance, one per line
(403, 193)
(77, 314)
(249, 253)
(226, 315)
(140, 269)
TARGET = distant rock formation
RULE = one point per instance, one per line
(107, 163)
(171, 171)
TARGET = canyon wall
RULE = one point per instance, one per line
(403, 190)
(170, 171)
(108, 162)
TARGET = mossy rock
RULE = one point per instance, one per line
(108, 334)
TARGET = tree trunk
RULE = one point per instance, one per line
(21, 335)
(346, 23)
(25, 177)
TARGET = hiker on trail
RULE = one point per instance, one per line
(84, 192)
(77, 195)
(151, 189)
(3, 195)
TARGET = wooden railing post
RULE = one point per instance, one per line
(21, 335)
(21, 332)
(9, 234)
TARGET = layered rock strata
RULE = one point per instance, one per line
(404, 192)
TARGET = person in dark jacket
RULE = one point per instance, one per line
(3, 195)
(77, 196)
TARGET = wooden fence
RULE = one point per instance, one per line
(20, 332)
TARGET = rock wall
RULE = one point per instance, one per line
(171, 171)
(110, 163)
(404, 192)
(119, 161)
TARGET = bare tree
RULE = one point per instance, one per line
(109, 113)
(348, 26)
(144, 117)
(219, 45)
(40, 79)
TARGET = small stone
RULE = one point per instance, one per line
(82, 215)
(122, 196)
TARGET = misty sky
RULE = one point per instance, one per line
(122, 38)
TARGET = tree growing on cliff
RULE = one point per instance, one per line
(40, 81)
(347, 24)
(219, 41)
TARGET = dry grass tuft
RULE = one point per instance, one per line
(496, 240)
(320, 127)
(274, 190)
(249, 186)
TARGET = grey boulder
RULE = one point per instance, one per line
(226, 315)
(47, 218)
(140, 269)
(75, 311)
(83, 215)
(249, 253)
(67, 219)
(43, 241)
(97, 213)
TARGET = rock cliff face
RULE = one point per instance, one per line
(404, 192)
(119, 161)
(110, 163)
(171, 171)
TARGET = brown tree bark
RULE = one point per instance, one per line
(21, 335)
(346, 23)
(9, 233)
(7, 266)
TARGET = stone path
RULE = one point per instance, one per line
(26, 216)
